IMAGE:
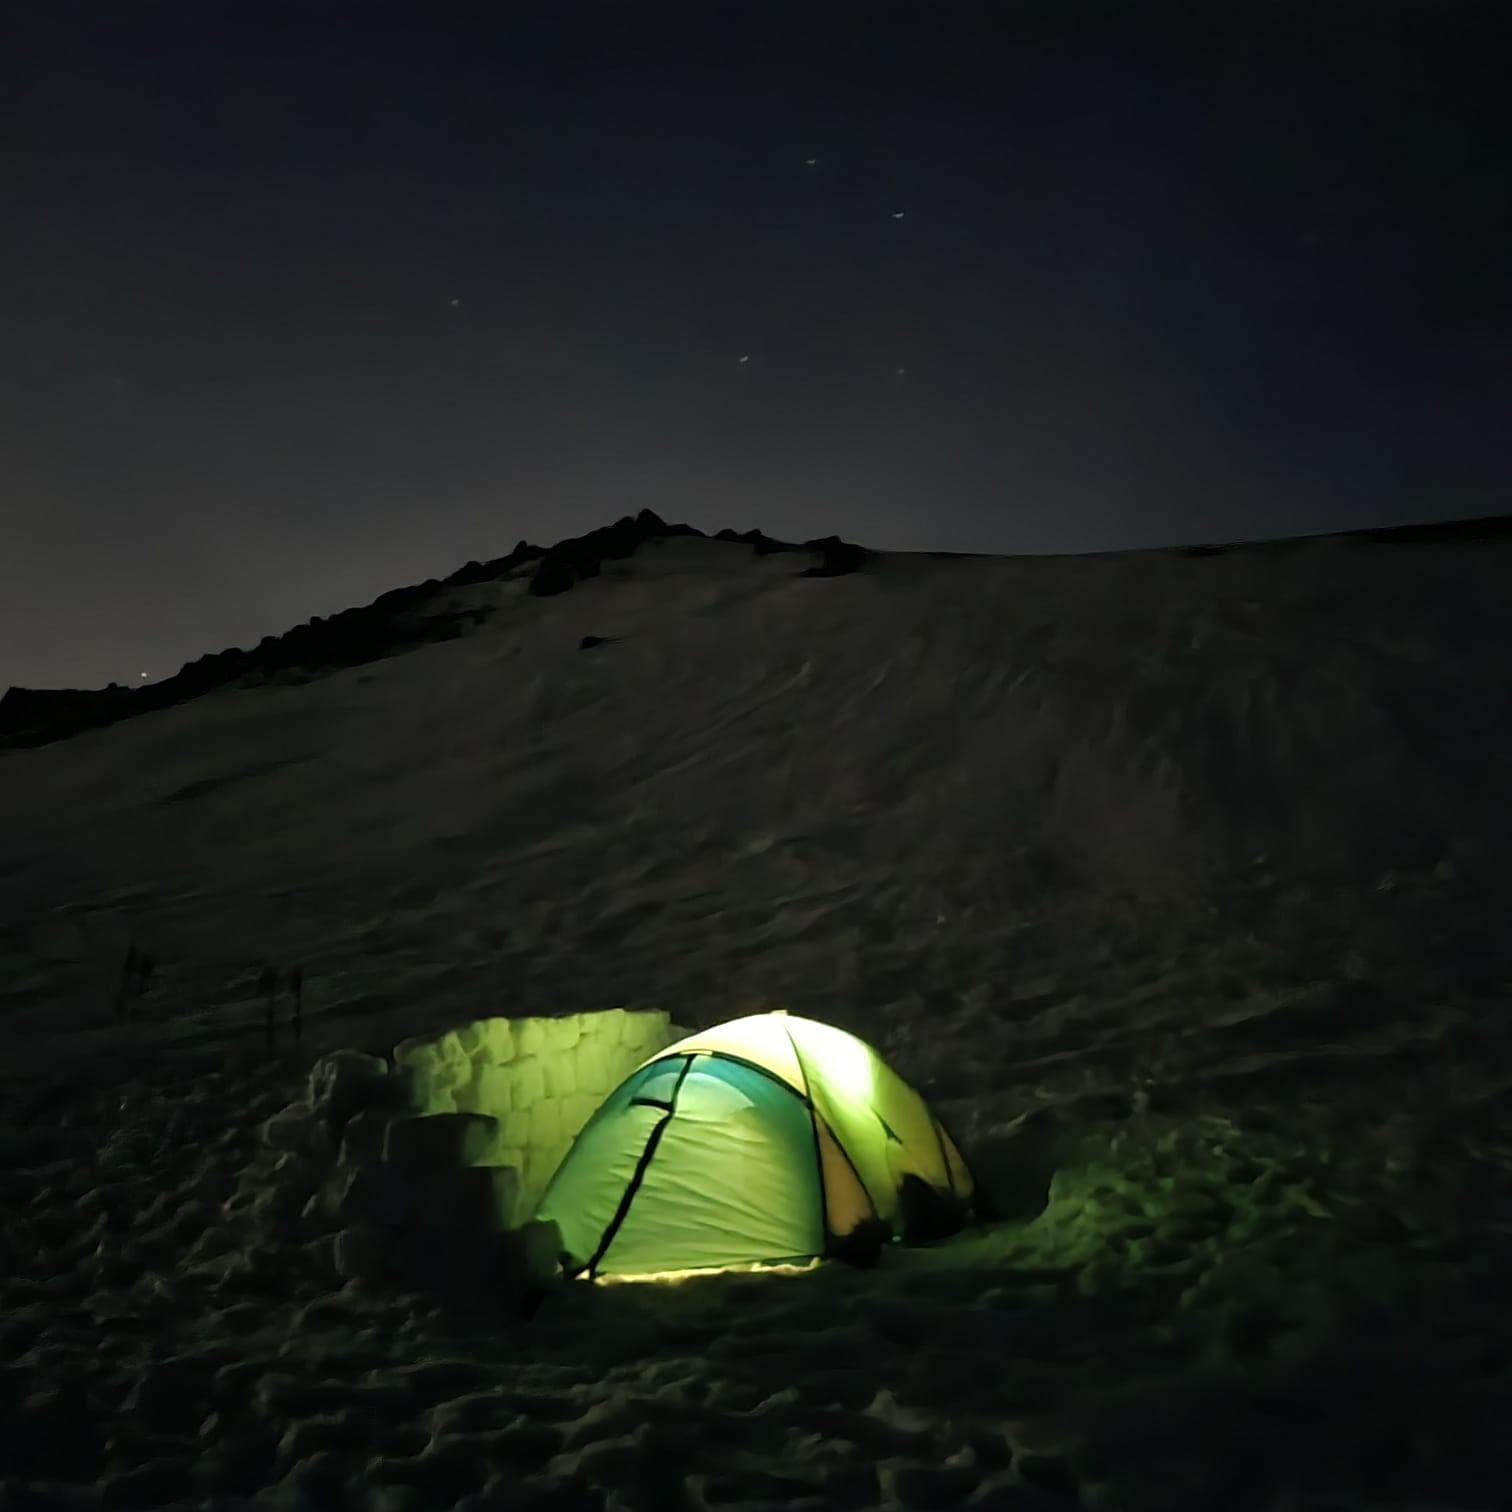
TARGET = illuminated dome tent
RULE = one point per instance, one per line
(770, 1138)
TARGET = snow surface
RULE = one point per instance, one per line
(1177, 883)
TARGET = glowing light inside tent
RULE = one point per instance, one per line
(677, 1277)
(849, 1064)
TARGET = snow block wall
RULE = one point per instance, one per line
(425, 1172)
(534, 1081)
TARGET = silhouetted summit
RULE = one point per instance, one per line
(397, 621)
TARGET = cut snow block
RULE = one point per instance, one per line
(361, 1254)
(416, 1088)
(337, 1064)
(433, 1075)
(530, 1083)
(639, 1022)
(449, 1046)
(417, 1084)
(545, 1125)
(633, 1037)
(608, 1026)
(532, 1036)
(430, 1048)
(505, 1194)
(449, 1075)
(498, 1041)
(364, 1138)
(459, 1200)
(594, 1068)
(514, 1132)
(379, 1194)
(461, 1069)
(567, 1031)
(493, 1093)
(424, 1094)
(576, 1111)
(465, 1093)
(439, 1140)
(297, 1130)
(413, 1053)
(559, 1074)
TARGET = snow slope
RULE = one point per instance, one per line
(1182, 875)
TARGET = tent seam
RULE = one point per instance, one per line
(637, 1177)
(825, 1231)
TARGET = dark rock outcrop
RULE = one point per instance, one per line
(397, 621)
(563, 569)
(28, 715)
(495, 568)
(400, 620)
(572, 561)
(836, 557)
(759, 542)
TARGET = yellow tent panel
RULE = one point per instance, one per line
(760, 1039)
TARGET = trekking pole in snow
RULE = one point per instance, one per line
(267, 984)
(296, 986)
(128, 976)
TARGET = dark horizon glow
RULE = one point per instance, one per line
(305, 302)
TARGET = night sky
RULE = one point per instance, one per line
(302, 302)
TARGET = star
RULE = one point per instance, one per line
(899, 214)
(456, 304)
(745, 359)
(812, 162)
(902, 372)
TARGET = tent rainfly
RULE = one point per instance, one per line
(770, 1138)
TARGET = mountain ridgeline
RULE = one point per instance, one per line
(395, 622)
(406, 618)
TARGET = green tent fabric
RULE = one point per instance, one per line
(770, 1138)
